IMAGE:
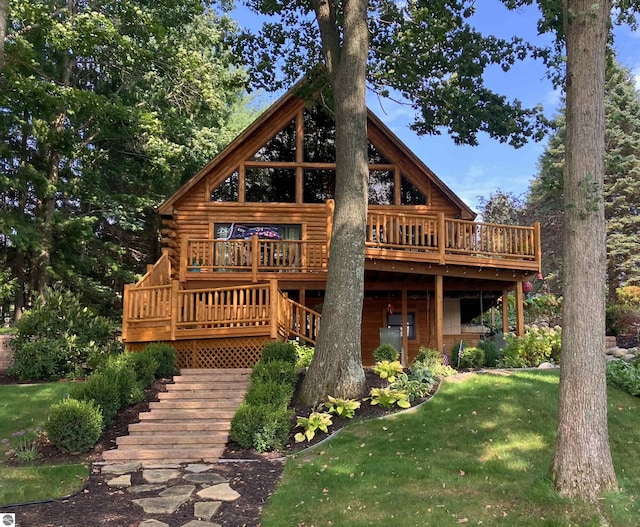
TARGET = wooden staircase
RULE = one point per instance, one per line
(189, 423)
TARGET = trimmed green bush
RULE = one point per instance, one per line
(165, 356)
(472, 357)
(144, 364)
(538, 345)
(269, 393)
(491, 354)
(279, 350)
(74, 426)
(385, 352)
(103, 390)
(262, 427)
(278, 371)
(118, 369)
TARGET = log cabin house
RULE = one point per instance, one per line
(246, 244)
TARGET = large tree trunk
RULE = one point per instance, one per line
(337, 365)
(4, 13)
(582, 464)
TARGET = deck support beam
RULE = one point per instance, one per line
(519, 309)
(505, 311)
(439, 313)
(405, 337)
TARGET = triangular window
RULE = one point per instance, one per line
(409, 193)
(282, 147)
(227, 190)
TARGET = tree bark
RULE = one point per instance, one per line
(582, 466)
(4, 13)
(337, 365)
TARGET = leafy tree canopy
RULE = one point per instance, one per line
(428, 52)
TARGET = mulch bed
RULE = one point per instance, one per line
(98, 505)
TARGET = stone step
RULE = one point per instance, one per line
(155, 441)
(220, 387)
(200, 395)
(163, 454)
(199, 403)
(202, 425)
(157, 414)
(166, 437)
(209, 371)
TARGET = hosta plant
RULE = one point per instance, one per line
(387, 397)
(388, 370)
(316, 421)
(345, 408)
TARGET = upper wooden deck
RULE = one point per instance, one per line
(390, 237)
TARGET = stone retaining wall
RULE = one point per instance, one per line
(6, 353)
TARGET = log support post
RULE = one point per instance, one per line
(505, 312)
(519, 309)
(255, 256)
(439, 313)
(173, 302)
(274, 301)
(405, 336)
(441, 237)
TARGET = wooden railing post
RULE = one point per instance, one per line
(331, 205)
(173, 302)
(126, 301)
(274, 301)
(184, 257)
(442, 234)
(538, 244)
(255, 257)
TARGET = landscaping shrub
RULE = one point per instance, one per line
(538, 345)
(385, 352)
(624, 375)
(428, 355)
(165, 356)
(144, 364)
(414, 388)
(629, 296)
(74, 426)
(269, 393)
(103, 390)
(432, 360)
(262, 427)
(119, 371)
(471, 357)
(419, 371)
(279, 350)
(55, 338)
(305, 354)
(281, 372)
(491, 354)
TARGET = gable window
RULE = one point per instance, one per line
(395, 321)
(270, 185)
(319, 185)
(227, 190)
(409, 193)
(381, 187)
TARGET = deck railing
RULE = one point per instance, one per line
(167, 312)
(437, 235)
(253, 255)
(158, 273)
(392, 235)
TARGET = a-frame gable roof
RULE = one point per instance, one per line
(279, 115)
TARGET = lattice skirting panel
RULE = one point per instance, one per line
(231, 352)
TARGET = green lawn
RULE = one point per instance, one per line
(25, 407)
(478, 453)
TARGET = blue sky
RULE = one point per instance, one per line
(476, 171)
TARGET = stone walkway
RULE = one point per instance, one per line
(165, 488)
